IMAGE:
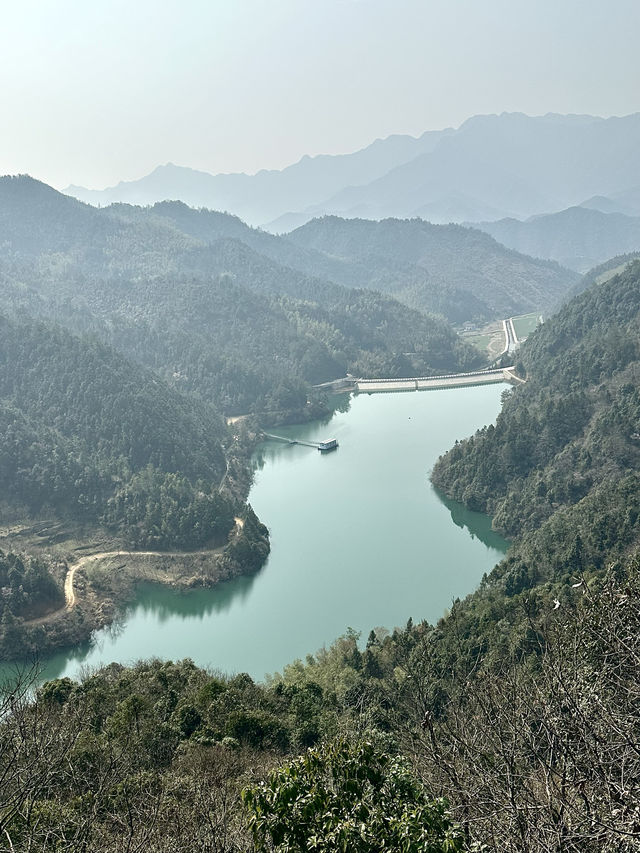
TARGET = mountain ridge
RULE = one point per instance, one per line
(218, 319)
(505, 165)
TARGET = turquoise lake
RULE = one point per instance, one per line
(359, 539)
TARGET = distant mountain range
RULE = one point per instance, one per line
(492, 167)
(269, 193)
(578, 238)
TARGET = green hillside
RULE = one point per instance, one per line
(599, 274)
(561, 468)
(509, 725)
(458, 272)
(90, 436)
(215, 318)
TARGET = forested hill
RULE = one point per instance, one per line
(215, 316)
(531, 679)
(89, 436)
(459, 272)
(210, 226)
(519, 707)
(560, 470)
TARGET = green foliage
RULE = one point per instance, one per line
(457, 272)
(347, 796)
(599, 274)
(160, 510)
(563, 459)
(520, 706)
(250, 547)
(26, 588)
(528, 730)
(89, 435)
(216, 309)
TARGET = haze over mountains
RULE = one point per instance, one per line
(459, 273)
(211, 315)
(492, 167)
(578, 238)
(269, 193)
(454, 271)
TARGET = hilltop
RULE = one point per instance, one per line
(206, 310)
(455, 271)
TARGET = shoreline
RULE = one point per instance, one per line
(99, 586)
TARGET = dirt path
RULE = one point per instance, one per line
(69, 592)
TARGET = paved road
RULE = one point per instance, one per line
(511, 339)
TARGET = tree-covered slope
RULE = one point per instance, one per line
(455, 271)
(560, 471)
(203, 307)
(87, 435)
(435, 752)
(210, 226)
(519, 707)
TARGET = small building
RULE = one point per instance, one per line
(331, 444)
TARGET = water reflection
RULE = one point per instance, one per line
(478, 524)
(163, 602)
(154, 603)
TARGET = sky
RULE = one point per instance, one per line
(97, 91)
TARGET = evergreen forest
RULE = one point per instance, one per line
(127, 337)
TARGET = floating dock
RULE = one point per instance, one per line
(322, 446)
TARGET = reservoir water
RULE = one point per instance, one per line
(359, 539)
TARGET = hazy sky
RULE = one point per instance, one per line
(96, 91)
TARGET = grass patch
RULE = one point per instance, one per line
(525, 325)
(480, 342)
(610, 273)
(489, 340)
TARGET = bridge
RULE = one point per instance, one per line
(432, 383)
(424, 383)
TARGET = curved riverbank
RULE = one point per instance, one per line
(98, 586)
(359, 539)
(70, 598)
